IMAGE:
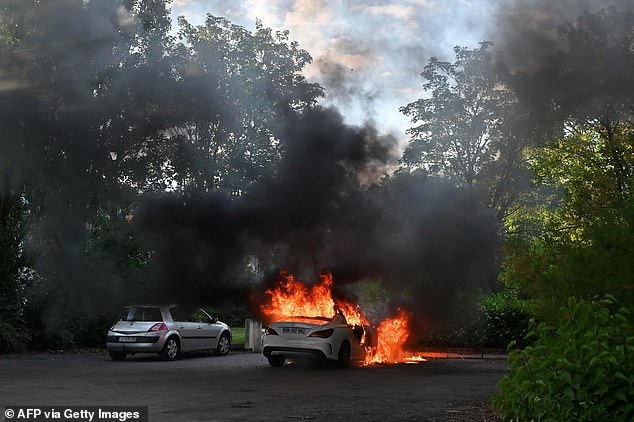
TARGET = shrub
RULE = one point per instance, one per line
(14, 335)
(507, 319)
(581, 370)
(233, 315)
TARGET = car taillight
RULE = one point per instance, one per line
(157, 327)
(270, 332)
(323, 333)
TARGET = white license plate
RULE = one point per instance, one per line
(293, 330)
(127, 339)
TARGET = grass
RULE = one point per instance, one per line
(238, 335)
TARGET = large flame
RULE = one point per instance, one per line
(292, 298)
(391, 336)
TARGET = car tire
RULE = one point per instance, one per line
(171, 349)
(344, 355)
(224, 345)
(117, 355)
(276, 361)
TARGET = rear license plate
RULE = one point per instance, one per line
(127, 339)
(293, 330)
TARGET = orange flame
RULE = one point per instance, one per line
(391, 335)
(291, 297)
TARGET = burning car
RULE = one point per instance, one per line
(307, 321)
(166, 330)
(320, 337)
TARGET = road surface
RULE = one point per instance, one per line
(242, 387)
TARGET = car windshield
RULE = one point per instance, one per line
(141, 313)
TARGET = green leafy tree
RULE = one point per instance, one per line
(571, 233)
(227, 136)
(507, 318)
(14, 334)
(75, 129)
(463, 130)
(576, 238)
(99, 104)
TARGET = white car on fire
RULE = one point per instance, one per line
(330, 338)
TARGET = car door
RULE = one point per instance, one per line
(186, 327)
(207, 330)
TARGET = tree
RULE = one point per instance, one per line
(573, 236)
(226, 137)
(100, 104)
(75, 126)
(576, 238)
(461, 123)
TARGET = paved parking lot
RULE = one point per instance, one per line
(242, 387)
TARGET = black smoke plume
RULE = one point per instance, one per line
(325, 206)
(570, 59)
(425, 239)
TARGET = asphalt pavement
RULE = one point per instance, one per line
(243, 387)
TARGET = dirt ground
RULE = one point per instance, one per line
(242, 387)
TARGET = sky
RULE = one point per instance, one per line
(367, 54)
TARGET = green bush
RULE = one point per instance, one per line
(507, 319)
(14, 335)
(231, 314)
(12, 339)
(581, 370)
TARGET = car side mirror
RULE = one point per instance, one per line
(213, 320)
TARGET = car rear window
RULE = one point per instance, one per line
(141, 313)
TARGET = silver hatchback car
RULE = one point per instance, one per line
(166, 330)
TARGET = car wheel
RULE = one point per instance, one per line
(224, 345)
(344, 355)
(117, 355)
(276, 361)
(171, 349)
